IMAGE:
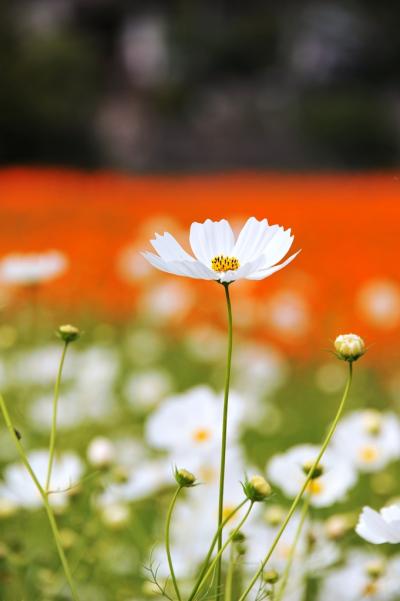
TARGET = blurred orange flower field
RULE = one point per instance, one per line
(346, 278)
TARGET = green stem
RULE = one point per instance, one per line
(167, 541)
(289, 564)
(303, 488)
(229, 575)
(53, 433)
(211, 549)
(224, 432)
(43, 494)
(218, 556)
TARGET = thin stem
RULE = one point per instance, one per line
(167, 541)
(289, 564)
(224, 432)
(53, 433)
(211, 549)
(229, 575)
(218, 556)
(43, 494)
(304, 487)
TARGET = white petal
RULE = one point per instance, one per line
(372, 527)
(243, 271)
(391, 513)
(253, 239)
(210, 239)
(192, 269)
(278, 246)
(169, 249)
(264, 273)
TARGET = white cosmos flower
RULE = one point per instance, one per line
(368, 439)
(286, 470)
(190, 423)
(255, 254)
(382, 527)
(17, 485)
(32, 268)
(364, 577)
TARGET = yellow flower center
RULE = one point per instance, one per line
(370, 589)
(227, 510)
(315, 487)
(207, 474)
(201, 435)
(368, 453)
(221, 263)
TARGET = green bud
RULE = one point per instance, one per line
(317, 471)
(349, 347)
(241, 549)
(184, 478)
(239, 537)
(68, 333)
(257, 489)
(271, 576)
(375, 569)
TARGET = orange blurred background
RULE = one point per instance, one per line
(347, 277)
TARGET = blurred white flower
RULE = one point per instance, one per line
(368, 439)
(379, 303)
(100, 452)
(287, 313)
(169, 301)
(17, 486)
(40, 365)
(360, 579)
(205, 343)
(32, 268)
(258, 370)
(145, 389)
(115, 515)
(145, 478)
(190, 423)
(253, 256)
(382, 527)
(286, 470)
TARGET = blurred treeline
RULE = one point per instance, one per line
(184, 85)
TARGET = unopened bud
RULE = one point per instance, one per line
(257, 489)
(238, 537)
(375, 569)
(349, 347)
(271, 576)
(68, 333)
(316, 472)
(184, 478)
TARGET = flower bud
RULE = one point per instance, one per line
(238, 537)
(317, 471)
(184, 478)
(68, 333)
(257, 489)
(241, 549)
(375, 569)
(349, 347)
(271, 576)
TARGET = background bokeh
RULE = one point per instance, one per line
(121, 119)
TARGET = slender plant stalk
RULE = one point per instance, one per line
(43, 494)
(167, 542)
(224, 434)
(229, 575)
(305, 485)
(285, 576)
(211, 549)
(218, 556)
(53, 433)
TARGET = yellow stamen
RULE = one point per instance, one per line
(315, 487)
(370, 589)
(368, 453)
(201, 435)
(221, 263)
(227, 510)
